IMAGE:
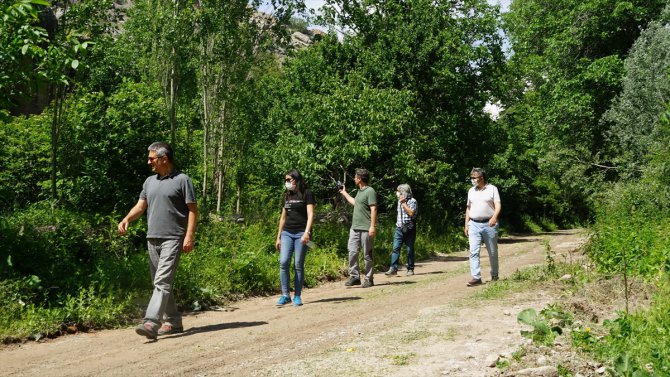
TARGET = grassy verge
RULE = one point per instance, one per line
(61, 272)
(603, 323)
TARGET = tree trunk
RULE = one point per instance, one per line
(173, 115)
(222, 143)
(55, 128)
(205, 143)
(238, 209)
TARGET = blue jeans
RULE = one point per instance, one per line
(290, 244)
(478, 232)
(398, 239)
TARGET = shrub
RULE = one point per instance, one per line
(630, 230)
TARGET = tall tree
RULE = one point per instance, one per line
(422, 72)
(22, 47)
(635, 113)
(568, 66)
(162, 36)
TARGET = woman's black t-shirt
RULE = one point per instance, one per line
(296, 211)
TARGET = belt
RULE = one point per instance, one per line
(481, 221)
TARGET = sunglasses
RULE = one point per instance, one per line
(288, 179)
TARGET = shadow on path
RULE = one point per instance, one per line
(448, 258)
(217, 327)
(336, 299)
(517, 240)
(404, 282)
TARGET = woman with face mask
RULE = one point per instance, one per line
(294, 234)
(405, 231)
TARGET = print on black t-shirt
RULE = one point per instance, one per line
(296, 211)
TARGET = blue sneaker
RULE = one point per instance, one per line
(283, 300)
(297, 301)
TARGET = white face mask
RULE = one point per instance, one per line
(474, 182)
(397, 193)
(289, 186)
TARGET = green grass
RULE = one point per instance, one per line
(399, 360)
(90, 277)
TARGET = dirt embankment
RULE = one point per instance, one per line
(429, 324)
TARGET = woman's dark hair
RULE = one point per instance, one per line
(299, 183)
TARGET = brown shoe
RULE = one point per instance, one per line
(474, 282)
(169, 329)
(147, 329)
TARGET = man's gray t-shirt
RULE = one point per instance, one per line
(167, 199)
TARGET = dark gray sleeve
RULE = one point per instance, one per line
(143, 194)
(189, 191)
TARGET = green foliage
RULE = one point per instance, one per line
(21, 40)
(635, 114)
(24, 158)
(639, 343)
(630, 225)
(630, 237)
(546, 326)
(92, 307)
(234, 260)
(103, 148)
(62, 249)
(624, 366)
(566, 68)
(401, 96)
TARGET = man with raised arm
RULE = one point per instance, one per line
(362, 230)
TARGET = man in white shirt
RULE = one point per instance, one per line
(481, 224)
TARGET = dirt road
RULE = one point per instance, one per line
(429, 324)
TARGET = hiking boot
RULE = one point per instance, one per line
(169, 329)
(368, 283)
(283, 300)
(474, 282)
(391, 272)
(147, 329)
(297, 301)
(352, 281)
(410, 272)
(494, 278)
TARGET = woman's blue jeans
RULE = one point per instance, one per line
(290, 245)
(408, 239)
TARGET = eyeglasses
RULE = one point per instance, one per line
(474, 177)
(152, 159)
(288, 179)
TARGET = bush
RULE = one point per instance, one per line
(60, 269)
(630, 229)
(24, 158)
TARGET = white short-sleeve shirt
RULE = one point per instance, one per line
(482, 202)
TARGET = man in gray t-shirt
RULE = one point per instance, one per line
(169, 200)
